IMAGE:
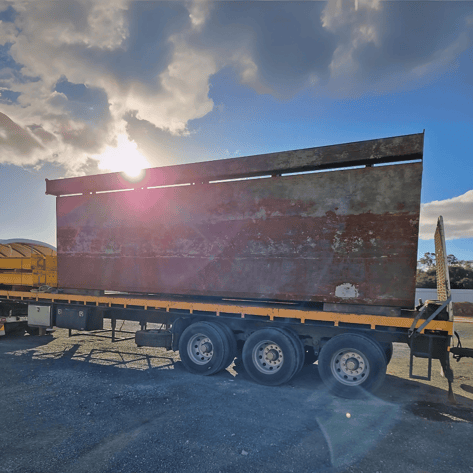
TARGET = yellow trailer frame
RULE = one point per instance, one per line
(274, 313)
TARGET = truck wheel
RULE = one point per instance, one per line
(298, 346)
(203, 348)
(231, 344)
(351, 365)
(388, 351)
(270, 357)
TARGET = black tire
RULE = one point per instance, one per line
(298, 345)
(231, 342)
(363, 355)
(203, 348)
(270, 357)
(388, 350)
(310, 357)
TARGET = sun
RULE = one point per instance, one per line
(125, 158)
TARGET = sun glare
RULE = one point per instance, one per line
(124, 158)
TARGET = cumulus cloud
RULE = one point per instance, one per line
(90, 65)
(15, 139)
(74, 71)
(386, 45)
(457, 215)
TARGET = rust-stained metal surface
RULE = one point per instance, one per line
(345, 236)
(398, 148)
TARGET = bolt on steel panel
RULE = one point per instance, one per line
(342, 236)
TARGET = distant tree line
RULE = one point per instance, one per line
(461, 272)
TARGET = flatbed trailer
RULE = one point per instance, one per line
(275, 257)
(311, 327)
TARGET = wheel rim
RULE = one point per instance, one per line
(350, 367)
(200, 349)
(268, 357)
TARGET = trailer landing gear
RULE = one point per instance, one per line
(448, 373)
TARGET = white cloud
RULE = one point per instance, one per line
(45, 41)
(183, 94)
(356, 25)
(155, 60)
(89, 23)
(457, 215)
(89, 43)
(198, 12)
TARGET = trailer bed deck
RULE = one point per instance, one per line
(270, 310)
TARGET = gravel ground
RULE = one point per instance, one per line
(84, 404)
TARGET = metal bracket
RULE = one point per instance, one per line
(416, 318)
(418, 330)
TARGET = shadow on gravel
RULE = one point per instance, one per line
(441, 412)
(37, 349)
(406, 391)
(467, 388)
(394, 390)
(110, 357)
(30, 340)
(86, 415)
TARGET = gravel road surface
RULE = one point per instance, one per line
(84, 404)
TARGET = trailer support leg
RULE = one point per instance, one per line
(448, 372)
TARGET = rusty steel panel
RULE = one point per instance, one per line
(398, 148)
(340, 236)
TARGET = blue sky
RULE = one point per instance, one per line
(176, 82)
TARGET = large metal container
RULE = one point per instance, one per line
(346, 235)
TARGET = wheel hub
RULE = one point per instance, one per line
(272, 355)
(200, 349)
(350, 367)
(268, 357)
(352, 364)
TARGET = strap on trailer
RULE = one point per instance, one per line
(414, 331)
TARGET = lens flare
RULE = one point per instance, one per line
(125, 158)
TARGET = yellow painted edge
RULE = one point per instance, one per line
(21, 263)
(20, 279)
(273, 313)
